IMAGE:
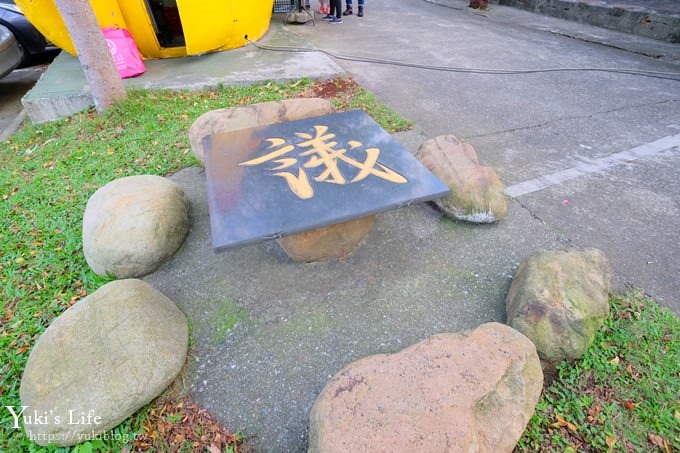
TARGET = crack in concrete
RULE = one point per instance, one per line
(569, 118)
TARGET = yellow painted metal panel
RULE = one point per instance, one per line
(201, 16)
(252, 19)
(45, 16)
(138, 20)
(208, 25)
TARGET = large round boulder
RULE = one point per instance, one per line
(559, 299)
(100, 361)
(132, 225)
(457, 392)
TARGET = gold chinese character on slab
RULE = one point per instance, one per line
(321, 155)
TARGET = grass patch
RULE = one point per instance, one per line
(48, 173)
(225, 318)
(623, 395)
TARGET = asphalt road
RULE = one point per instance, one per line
(12, 89)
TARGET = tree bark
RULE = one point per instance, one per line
(105, 84)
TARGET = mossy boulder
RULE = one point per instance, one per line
(559, 299)
(255, 115)
(100, 361)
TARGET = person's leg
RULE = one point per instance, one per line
(348, 11)
(331, 10)
(361, 8)
(338, 10)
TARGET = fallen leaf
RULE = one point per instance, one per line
(615, 361)
(629, 405)
(611, 441)
(562, 422)
(656, 440)
(594, 410)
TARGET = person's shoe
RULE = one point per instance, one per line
(361, 11)
(348, 11)
(337, 20)
(328, 17)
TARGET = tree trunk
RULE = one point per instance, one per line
(105, 84)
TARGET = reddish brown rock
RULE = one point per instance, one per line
(479, 4)
(335, 241)
(471, 391)
(245, 117)
(476, 191)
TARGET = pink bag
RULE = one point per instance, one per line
(124, 51)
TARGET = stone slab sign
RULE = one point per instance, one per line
(277, 180)
(471, 391)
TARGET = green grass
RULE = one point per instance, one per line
(623, 395)
(48, 173)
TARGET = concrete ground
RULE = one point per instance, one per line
(657, 19)
(12, 89)
(590, 158)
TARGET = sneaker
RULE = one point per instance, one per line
(328, 17)
(337, 20)
(348, 12)
(361, 12)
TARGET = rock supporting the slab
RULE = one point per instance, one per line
(334, 241)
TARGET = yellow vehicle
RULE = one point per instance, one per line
(164, 28)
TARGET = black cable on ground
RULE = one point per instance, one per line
(675, 76)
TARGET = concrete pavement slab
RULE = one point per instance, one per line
(657, 19)
(530, 125)
(268, 333)
(63, 90)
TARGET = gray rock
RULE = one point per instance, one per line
(300, 17)
(133, 225)
(459, 392)
(476, 191)
(245, 117)
(102, 360)
(559, 299)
